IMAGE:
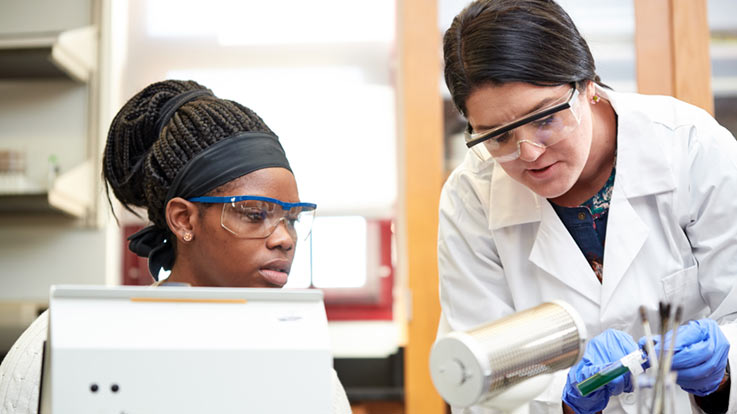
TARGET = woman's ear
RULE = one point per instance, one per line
(182, 216)
(591, 95)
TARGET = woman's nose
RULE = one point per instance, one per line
(530, 151)
(281, 236)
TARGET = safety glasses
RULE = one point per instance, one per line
(542, 128)
(256, 217)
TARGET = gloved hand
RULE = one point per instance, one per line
(700, 356)
(605, 348)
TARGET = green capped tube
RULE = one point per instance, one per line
(601, 378)
(629, 363)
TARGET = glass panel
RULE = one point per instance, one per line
(339, 252)
(301, 272)
(339, 255)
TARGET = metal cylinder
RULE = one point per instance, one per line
(475, 365)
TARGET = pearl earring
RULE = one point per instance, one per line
(187, 236)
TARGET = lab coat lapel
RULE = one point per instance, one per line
(643, 168)
(555, 251)
(625, 235)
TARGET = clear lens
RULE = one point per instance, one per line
(256, 219)
(481, 151)
(543, 132)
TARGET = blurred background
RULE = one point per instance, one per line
(337, 80)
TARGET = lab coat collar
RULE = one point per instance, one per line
(643, 167)
(511, 203)
(644, 164)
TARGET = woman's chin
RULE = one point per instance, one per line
(551, 192)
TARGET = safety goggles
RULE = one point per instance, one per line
(542, 128)
(256, 217)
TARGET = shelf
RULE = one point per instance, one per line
(69, 54)
(26, 203)
(71, 194)
(72, 191)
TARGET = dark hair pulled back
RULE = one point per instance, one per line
(500, 41)
(140, 164)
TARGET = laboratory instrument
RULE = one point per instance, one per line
(186, 350)
(507, 362)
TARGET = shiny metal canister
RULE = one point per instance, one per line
(478, 364)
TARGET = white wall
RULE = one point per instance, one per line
(36, 253)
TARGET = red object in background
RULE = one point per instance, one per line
(135, 268)
(381, 308)
(135, 272)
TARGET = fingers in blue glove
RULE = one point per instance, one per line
(601, 351)
(700, 356)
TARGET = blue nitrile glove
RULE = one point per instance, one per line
(700, 356)
(605, 348)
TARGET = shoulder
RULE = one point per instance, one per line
(20, 372)
(663, 110)
(662, 118)
(464, 200)
(467, 182)
(681, 132)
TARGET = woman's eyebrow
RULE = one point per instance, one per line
(540, 105)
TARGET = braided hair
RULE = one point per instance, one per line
(140, 163)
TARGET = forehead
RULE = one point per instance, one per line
(276, 183)
(489, 106)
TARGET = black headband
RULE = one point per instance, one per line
(225, 161)
(218, 164)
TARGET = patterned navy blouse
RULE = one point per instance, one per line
(587, 224)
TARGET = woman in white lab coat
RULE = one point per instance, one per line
(220, 196)
(574, 192)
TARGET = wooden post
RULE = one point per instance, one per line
(420, 156)
(672, 42)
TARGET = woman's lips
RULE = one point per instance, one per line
(274, 277)
(543, 172)
(276, 272)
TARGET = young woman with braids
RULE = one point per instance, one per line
(572, 191)
(219, 193)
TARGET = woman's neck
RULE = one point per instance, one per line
(181, 272)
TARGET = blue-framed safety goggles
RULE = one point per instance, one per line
(256, 217)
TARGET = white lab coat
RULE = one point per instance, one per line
(671, 236)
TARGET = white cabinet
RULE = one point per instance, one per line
(48, 108)
(70, 53)
(50, 229)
